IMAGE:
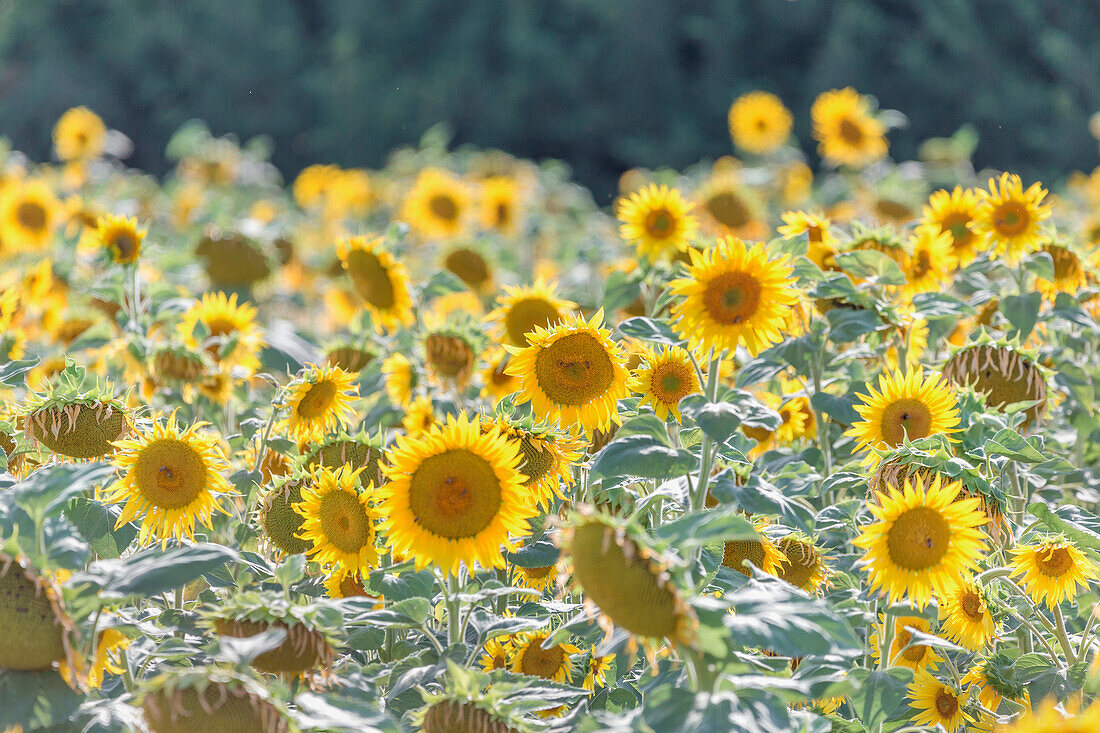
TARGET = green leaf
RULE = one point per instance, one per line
(847, 324)
(940, 305)
(759, 496)
(96, 524)
(48, 490)
(621, 290)
(38, 700)
(1079, 525)
(706, 526)
(881, 695)
(1067, 308)
(718, 420)
(540, 554)
(1022, 311)
(11, 373)
(397, 587)
(443, 282)
(871, 265)
(153, 571)
(650, 330)
(642, 456)
(1007, 442)
(645, 424)
(840, 408)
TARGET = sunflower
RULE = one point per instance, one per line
(728, 208)
(523, 309)
(499, 205)
(930, 262)
(547, 456)
(498, 655)
(228, 331)
(452, 351)
(109, 649)
(596, 670)
(916, 656)
(906, 406)
(954, 213)
(540, 579)
(822, 241)
(937, 704)
(438, 205)
(29, 212)
(734, 294)
(498, 382)
(657, 220)
(455, 495)
(173, 479)
(398, 378)
(1010, 217)
(572, 373)
(419, 416)
(965, 615)
(1005, 374)
(1069, 273)
(121, 238)
(666, 378)
(803, 564)
(924, 538)
(554, 663)
(342, 583)
(846, 129)
(1051, 569)
(79, 134)
(760, 551)
(337, 519)
(996, 680)
(469, 266)
(759, 123)
(379, 279)
(319, 402)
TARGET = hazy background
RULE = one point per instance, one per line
(602, 84)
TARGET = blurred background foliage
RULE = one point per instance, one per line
(602, 84)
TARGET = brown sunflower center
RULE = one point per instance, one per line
(850, 131)
(972, 605)
(946, 704)
(802, 562)
(1066, 264)
(761, 124)
(914, 653)
(957, 223)
(351, 585)
(170, 473)
(503, 214)
(444, 207)
(922, 264)
(371, 278)
(660, 223)
(469, 266)
(905, 417)
(526, 315)
(671, 382)
(537, 460)
(220, 326)
(1055, 562)
(814, 233)
(539, 662)
(455, 494)
(1011, 219)
(344, 522)
(728, 209)
(574, 370)
(731, 298)
(538, 573)
(317, 401)
(31, 215)
(500, 377)
(736, 552)
(918, 539)
(124, 245)
(450, 356)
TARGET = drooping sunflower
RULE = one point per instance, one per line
(210, 699)
(438, 205)
(554, 663)
(1069, 272)
(916, 656)
(452, 351)
(455, 495)
(228, 331)
(173, 479)
(803, 565)
(547, 456)
(965, 615)
(1051, 568)
(469, 266)
(657, 220)
(818, 229)
(922, 540)
(398, 378)
(79, 135)
(761, 551)
(728, 208)
(40, 632)
(1010, 217)
(379, 279)
(666, 378)
(337, 519)
(732, 295)
(955, 212)
(937, 704)
(847, 131)
(540, 579)
(759, 122)
(572, 373)
(930, 262)
(906, 405)
(523, 309)
(499, 205)
(29, 212)
(1004, 373)
(318, 402)
(121, 237)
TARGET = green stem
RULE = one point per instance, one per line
(454, 620)
(1063, 637)
(816, 368)
(707, 450)
(1084, 648)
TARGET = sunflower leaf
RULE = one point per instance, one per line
(643, 456)
(650, 330)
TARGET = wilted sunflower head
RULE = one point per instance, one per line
(210, 699)
(73, 418)
(39, 633)
(359, 451)
(1003, 372)
(547, 455)
(278, 518)
(232, 260)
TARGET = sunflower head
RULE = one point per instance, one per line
(523, 309)
(902, 652)
(452, 351)
(438, 206)
(338, 520)
(120, 237)
(803, 565)
(79, 135)
(500, 200)
(280, 521)
(1051, 568)
(498, 382)
(665, 379)
(657, 220)
(936, 703)
(1011, 217)
(930, 262)
(74, 419)
(360, 452)
(847, 131)
(547, 455)
(319, 402)
(954, 213)
(759, 122)
(729, 208)
(905, 407)
(552, 663)
(965, 614)
(379, 279)
(29, 213)
(818, 230)
(469, 266)
(399, 378)
(210, 699)
(225, 329)
(39, 631)
(351, 356)
(1069, 271)
(232, 260)
(1003, 372)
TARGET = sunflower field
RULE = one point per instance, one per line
(446, 447)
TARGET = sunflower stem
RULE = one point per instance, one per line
(454, 620)
(1083, 650)
(708, 449)
(816, 368)
(1063, 637)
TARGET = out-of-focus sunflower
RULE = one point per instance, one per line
(1011, 217)
(318, 402)
(499, 205)
(847, 131)
(930, 262)
(916, 656)
(379, 279)
(728, 208)
(523, 309)
(906, 405)
(657, 220)
(498, 382)
(552, 663)
(438, 206)
(954, 212)
(803, 564)
(29, 212)
(399, 379)
(337, 519)
(1051, 568)
(965, 614)
(469, 266)
(937, 704)
(226, 329)
(79, 135)
(540, 579)
(120, 237)
(666, 378)
(1069, 273)
(818, 229)
(455, 496)
(759, 122)
(596, 669)
(419, 416)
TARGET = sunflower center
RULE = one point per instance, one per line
(444, 207)
(914, 653)
(957, 225)
(670, 383)
(351, 586)
(170, 473)
(922, 265)
(1066, 264)
(761, 124)
(1011, 219)
(526, 315)
(450, 356)
(732, 297)
(814, 233)
(537, 461)
(539, 662)
(31, 215)
(850, 131)
(728, 209)
(802, 563)
(538, 573)
(970, 603)
(574, 370)
(124, 244)
(946, 703)
(468, 265)
(344, 521)
(500, 377)
(220, 326)
(736, 552)
(660, 223)
(1055, 562)
(371, 278)
(503, 214)
(903, 418)
(316, 402)
(919, 538)
(455, 494)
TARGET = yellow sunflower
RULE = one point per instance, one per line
(937, 704)
(955, 212)
(337, 519)
(666, 378)
(399, 379)
(342, 583)
(732, 295)
(822, 241)
(916, 656)
(759, 123)
(930, 263)
(499, 205)
(760, 551)
(540, 579)
(965, 615)
(79, 135)
(29, 213)
(846, 129)
(554, 663)
(1050, 717)
(469, 266)
(596, 669)
(523, 309)
(1051, 569)
(498, 382)
(498, 655)
(1010, 217)
(419, 416)
(379, 279)
(455, 495)
(922, 540)
(657, 220)
(993, 687)
(728, 208)
(547, 456)
(173, 479)
(905, 406)
(438, 205)
(803, 565)
(319, 402)
(121, 237)
(228, 331)
(572, 373)
(1069, 273)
